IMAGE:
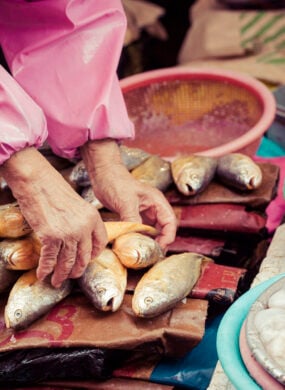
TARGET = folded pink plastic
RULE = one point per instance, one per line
(65, 54)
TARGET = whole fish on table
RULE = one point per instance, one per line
(12, 221)
(78, 176)
(20, 253)
(104, 281)
(31, 298)
(239, 171)
(136, 250)
(155, 172)
(166, 283)
(191, 174)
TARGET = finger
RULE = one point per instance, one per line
(166, 222)
(167, 235)
(65, 261)
(48, 259)
(99, 238)
(99, 242)
(84, 250)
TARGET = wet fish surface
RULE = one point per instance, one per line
(191, 174)
(239, 171)
(31, 298)
(132, 157)
(136, 250)
(155, 172)
(20, 253)
(166, 283)
(104, 281)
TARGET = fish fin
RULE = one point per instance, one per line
(118, 228)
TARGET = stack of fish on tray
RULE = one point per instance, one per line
(220, 206)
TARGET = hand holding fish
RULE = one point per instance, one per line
(119, 191)
(69, 228)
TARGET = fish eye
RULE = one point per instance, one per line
(101, 290)
(148, 300)
(18, 313)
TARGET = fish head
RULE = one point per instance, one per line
(17, 313)
(149, 302)
(106, 294)
(190, 182)
(250, 176)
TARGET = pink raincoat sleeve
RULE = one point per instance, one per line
(22, 122)
(65, 54)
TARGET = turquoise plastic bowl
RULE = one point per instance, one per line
(228, 338)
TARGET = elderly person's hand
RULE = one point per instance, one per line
(70, 230)
(117, 190)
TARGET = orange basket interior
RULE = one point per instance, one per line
(182, 116)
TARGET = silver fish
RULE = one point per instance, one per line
(31, 298)
(154, 171)
(88, 194)
(239, 171)
(191, 174)
(136, 250)
(132, 157)
(166, 283)
(104, 281)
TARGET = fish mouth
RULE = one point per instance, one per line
(253, 183)
(112, 302)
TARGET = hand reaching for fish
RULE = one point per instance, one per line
(117, 190)
(70, 229)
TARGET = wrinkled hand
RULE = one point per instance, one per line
(70, 229)
(116, 188)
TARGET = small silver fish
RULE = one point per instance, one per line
(166, 283)
(136, 250)
(239, 171)
(154, 171)
(31, 298)
(191, 174)
(88, 194)
(132, 157)
(104, 281)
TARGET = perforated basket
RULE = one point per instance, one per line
(205, 111)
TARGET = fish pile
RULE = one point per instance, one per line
(190, 174)
(166, 280)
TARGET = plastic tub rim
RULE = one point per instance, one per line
(264, 95)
